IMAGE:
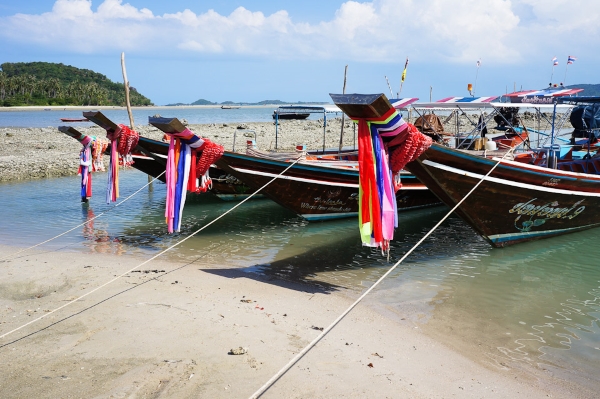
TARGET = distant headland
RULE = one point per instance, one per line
(233, 103)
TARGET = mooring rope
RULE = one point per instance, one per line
(82, 224)
(325, 331)
(152, 258)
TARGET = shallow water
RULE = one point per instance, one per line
(535, 303)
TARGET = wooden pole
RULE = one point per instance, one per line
(343, 115)
(128, 104)
(126, 83)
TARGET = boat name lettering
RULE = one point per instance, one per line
(328, 202)
(536, 100)
(305, 205)
(552, 182)
(549, 210)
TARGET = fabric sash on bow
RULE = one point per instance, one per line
(122, 141)
(385, 146)
(378, 214)
(85, 170)
(90, 160)
(183, 172)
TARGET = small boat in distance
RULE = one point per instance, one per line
(290, 115)
(231, 106)
(74, 119)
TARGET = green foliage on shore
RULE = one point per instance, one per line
(44, 83)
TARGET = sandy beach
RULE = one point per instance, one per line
(167, 330)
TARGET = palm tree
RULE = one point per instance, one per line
(3, 84)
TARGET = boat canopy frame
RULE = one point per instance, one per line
(297, 109)
(541, 110)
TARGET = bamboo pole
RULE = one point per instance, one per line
(343, 115)
(128, 104)
(126, 83)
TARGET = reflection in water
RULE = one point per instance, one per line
(331, 255)
(98, 240)
(532, 303)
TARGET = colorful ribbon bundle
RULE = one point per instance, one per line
(90, 160)
(99, 145)
(378, 214)
(210, 153)
(85, 161)
(406, 147)
(183, 171)
(122, 141)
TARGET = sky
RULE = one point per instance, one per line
(179, 51)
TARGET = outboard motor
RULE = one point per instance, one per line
(507, 117)
(585, 120)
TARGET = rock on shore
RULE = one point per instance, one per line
(33, 153)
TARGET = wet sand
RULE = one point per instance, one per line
(166, 330)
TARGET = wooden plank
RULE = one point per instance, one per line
(71, 131)
(167, 125)
(362, 105)
(101, 120)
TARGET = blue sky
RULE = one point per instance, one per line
(183, 50)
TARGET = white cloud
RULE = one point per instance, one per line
(72, 9)
(498, 31)
(114, 9)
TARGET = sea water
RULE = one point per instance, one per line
(193, 115)
(534, 303)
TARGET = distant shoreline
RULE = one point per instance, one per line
(103, 107)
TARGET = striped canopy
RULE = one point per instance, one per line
(545, 96)
(400, 103)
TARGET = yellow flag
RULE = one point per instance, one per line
(404, 72)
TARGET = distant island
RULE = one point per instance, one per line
(44, 83)
(264, 102)
(588, 90)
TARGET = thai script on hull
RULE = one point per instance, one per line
(549, 210)
(539, 214)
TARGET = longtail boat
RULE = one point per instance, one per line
(74, 120)
(516, 201)
(150, 157)
(316, 189)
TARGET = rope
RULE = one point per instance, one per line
(304, 351)
(148, 260)
(82, 224)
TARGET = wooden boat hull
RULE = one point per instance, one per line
(517, 202)
(75, 120)
(151, 158)
(315, 192)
